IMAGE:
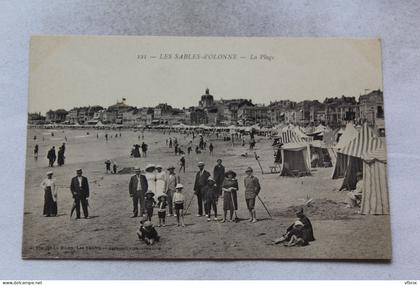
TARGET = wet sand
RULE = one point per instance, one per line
(110, 232)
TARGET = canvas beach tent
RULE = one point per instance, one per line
(375, 197)
(292, 134)
(342, 160)
(365, 142)
(296, 159)
(320, 156)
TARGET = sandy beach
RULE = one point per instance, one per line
(110, 232)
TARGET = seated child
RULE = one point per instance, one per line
(147, 233)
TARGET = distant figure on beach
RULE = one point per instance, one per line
(200, 186)
(50, 195)
(135, 151)
(107, 166)
(36, 150)
(170, 142)
(300, 233)
(79, 188)
(60, 156)
(252, 189)
(144, 149)
(211, 148)
(51, 156)
(106, 137)
(182, 164)
(137, 188)
(219, 176)
(114, 167)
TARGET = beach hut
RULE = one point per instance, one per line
(296, 159)
(342, 160)
(320, 156)
(292, 134)
(375, 197)
(365, 142)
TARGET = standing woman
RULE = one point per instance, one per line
(50, 195)
(160, 181)
(151, 177)
(230, 197)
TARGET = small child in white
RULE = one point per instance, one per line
(178, 201)
(162, 204)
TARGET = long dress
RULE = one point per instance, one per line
(160, 183)
(151, 181)
(50, 197)
(230, 198)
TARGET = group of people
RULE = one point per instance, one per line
(52, 156)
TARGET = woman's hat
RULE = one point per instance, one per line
(171, 167)
(230, 172)
(149, 166)
(49, 172)
(298, 224)
(179, 186)
(150, 193)
(162, 195)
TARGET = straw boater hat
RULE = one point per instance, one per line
(200, 163)
(230, 172)
(179, 185)
(78, 170)
(136, 168)
(149, 193)
(162, 195)
(149, 166)
(249, 169)
(171, 167)
(49, 173)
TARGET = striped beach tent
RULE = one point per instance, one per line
(292, 134)
(342, 160)
(365, 142)
(375, 198)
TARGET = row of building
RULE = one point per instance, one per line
(332, 111)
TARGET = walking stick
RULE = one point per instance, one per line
(264, 207)
(256, 157)
(189, 204)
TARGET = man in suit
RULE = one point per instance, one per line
(79, 188)
(137, 188)
(200, 186)
(219, 176)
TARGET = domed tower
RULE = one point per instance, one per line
(207, 100)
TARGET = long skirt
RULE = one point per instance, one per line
(230, 200)
(50, 206)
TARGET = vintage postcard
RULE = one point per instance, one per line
(205, 148)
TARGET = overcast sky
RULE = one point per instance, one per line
(79, 71)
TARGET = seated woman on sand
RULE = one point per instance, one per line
(300, 233)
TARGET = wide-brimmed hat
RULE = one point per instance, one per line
(230, 172)
(49, 172)
(249, 169)
(150, 166)
(147, 224)
(200, 163)
(162, 195)
(149, 193)
(171, 167)
(179, 185)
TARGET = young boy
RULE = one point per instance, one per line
(147, 233)
(162, 204)
(210, 199)
(149, 204)
(178, 203)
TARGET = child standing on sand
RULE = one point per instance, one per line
(149, 204)
(162, 204)
(178, 201)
